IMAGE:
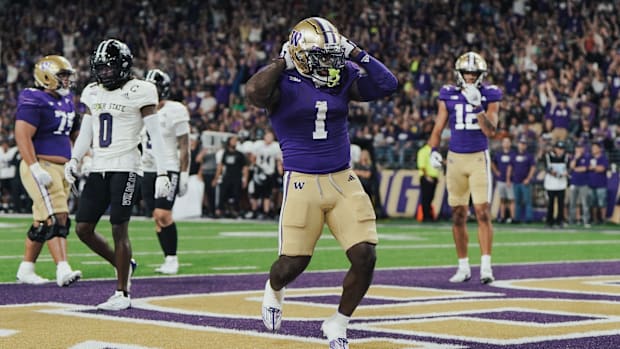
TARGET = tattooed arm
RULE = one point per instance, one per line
(488, 119)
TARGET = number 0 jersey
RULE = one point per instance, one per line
(466, 135)
(117, 122)
(173, 120)
(311, 123)
(52, 117)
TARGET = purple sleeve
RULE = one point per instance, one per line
(492, 93)
(28, 108)
(445, 92)
(378, 81)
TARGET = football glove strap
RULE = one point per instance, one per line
(81, 146)
(162, 183)
(378, 81)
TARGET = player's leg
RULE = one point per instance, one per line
(166, 228)
(481, 188)
(457, 173)
(123, 192)
(94, 201)
(301, 224)
(352, 221)
(57, 231)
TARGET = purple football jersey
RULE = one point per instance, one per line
(311, 123)
(52, 117)
(466, 135)
(502, 160)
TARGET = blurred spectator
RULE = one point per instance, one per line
(579, 210)
(523, 169)
(555, 183)
(501, 165)
(597, 180)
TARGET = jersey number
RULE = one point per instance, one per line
(105, 130)
(319, 124)
(66, 122)
(465, 119)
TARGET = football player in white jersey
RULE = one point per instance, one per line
(267, 166)
(174, 126)
(118, 105)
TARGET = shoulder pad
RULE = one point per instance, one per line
(32, 97)
(446, 91)
(492, 93)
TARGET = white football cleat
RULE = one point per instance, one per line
(170, 266)
(337, 335)
(118, 301)
(272, 307)
(30, 278)
(461, 275)
(64, 279)
(486, 275)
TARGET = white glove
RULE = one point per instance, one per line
(40, 175)
(472, 95)
(436, 159)
(162, 186)
(286, 54)
(183, 183)
(71, 170)
(347, 45)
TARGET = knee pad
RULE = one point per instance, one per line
(56, 229)
(38, 234)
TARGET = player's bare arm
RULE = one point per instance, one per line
(440, 123)
(148, 110)
(183, 141)
(262, 88)
(488, 119)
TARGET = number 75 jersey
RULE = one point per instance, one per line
(465, 133)
(117, 122)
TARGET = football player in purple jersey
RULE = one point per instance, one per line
(471, 110)
(307, 91)
(43, 127)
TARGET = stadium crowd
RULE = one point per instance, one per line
(544, 55)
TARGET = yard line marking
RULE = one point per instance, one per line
(247, 267)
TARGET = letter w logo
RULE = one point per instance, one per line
(299, 185)
(295, 37)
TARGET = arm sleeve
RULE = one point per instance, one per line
(378, 81)
(157, 142)
(84, 139)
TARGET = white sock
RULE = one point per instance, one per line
(273, 295)
(464, 263)
(485, 261)
(337, 326)
(63, 265)
(26, 267)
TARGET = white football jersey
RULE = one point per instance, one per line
(267, 155)
(173, 120)
(117, 122)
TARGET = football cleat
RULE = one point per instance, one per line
(486, 275)
(461, 275)
(339, 343)
(272, 307)
(64, 279)
(116, 302)
(336, 334)
(30, 278)
(170, 265)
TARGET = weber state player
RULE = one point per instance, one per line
(471, 110)
(43, 127)
(174, 127)
(307, 91)
(118, 105)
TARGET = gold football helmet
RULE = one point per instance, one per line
(48, 71)
(316, 51)
(470, 62)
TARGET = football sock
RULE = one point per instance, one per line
(168, 239)
(464, 263)
(485, 261)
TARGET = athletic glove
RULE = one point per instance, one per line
(286, 55)
(436, 159)
(347, 45)
(183, 183)
(40, 175)
(472, 95)
(162, 186)
(71, 170)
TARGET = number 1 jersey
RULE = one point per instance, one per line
(117, 122)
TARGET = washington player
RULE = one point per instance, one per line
(43, 127)
(174, 127)
(471, 109)
(307, 91)
(118, 105)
